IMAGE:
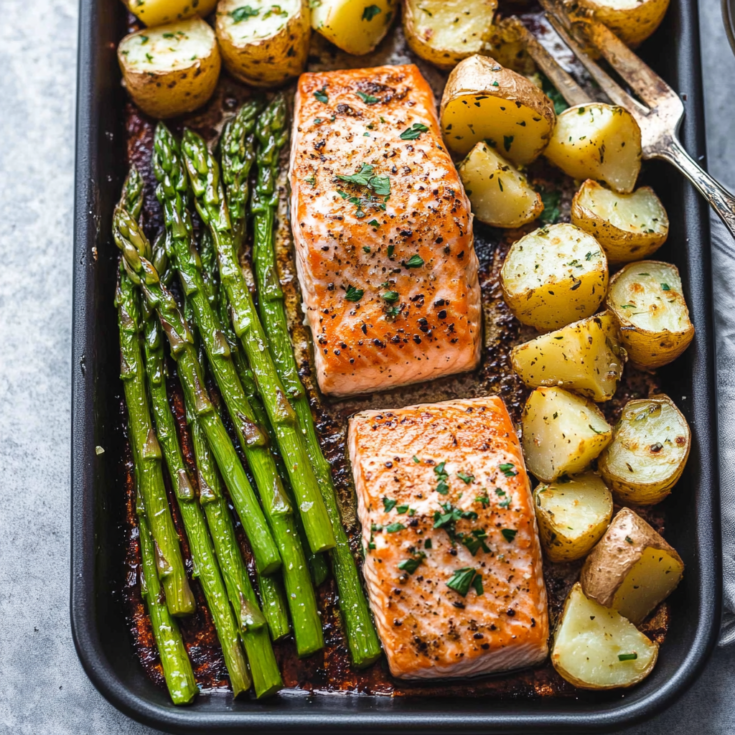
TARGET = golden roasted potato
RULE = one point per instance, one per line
(649, 450)
(160, 12)
(484, 101)
(554, 276)
(171, 69)
(597, 141)
(263, 44)
(572, 514)
(647, 302)
(628, 226)
(500, 194)
(562, 433)
(632, 21)
(355, 26)
(446, 31)
(585, 357)
(632, 569)
(596, 648)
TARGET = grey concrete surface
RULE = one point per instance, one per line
(43, 690)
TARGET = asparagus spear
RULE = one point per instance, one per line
(202, 551)
(300, 593)
(149, 475)
(275, 607)
(136, 259)
(175, 661)
(271, 133)
(204, 175)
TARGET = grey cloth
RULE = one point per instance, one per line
(724, 299)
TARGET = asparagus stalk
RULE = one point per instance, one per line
(273, 597)
(271, 133)
(147, 452)
(204, 175)
(136, 259)
(175, 661)
(299, 591)
(202, 551)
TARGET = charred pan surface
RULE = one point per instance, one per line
(330, 670)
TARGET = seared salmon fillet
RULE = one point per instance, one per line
(452, 555)
(383, 232)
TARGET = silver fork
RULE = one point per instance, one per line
(659, 113)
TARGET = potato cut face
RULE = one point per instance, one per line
(585, 357)
(597, 648)
(629, 226)
(160, 12)
(649, 451)
(650, 580)
(554, 276)
(500, 195)
(572, 514)
(597, 141)
(355, 26)
(562, 433)
(168, 48)
(255, 21)
(447, 31)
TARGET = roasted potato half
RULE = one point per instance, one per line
(647, 301)
(649, 450)
(632, 21)
(597, 648)
(263, 44)
(171, 69)
(597, 141)
(554, 276)
(629, 226)
(160, 12)
(446, 31)
(355, 26)
(484, 101)
(561, 433)
(500, 194)
(585, 357)
(572, 515)
(632, 569)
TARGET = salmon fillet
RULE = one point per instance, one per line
(386, 261)
(452, 555)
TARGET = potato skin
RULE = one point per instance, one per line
(621, 246)
(648, 349)
(632, 24)
(641, 493)
(160, 12)
(265, 62)
(483, 76)
(619, 549)
(173, 92)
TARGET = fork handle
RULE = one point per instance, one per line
(719, 198)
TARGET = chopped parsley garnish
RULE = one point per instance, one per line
(401, 509)
(442, 488)
(483, 500)
(428, 544)
(311, 180)
(412, 564)
(665, 287)
(449, 517)
(389, 504)
(321, 95)
(391, 250)
(595, 430)
(414, 131)
(380, 185)
(276, 10)
(364, 177)
(391, 297)
(368, 99)
(467, 479)
(463, 579)
(373, 223)
(475, 541)
(508, 469)
(415, 261)
(354, 294)
(394, 527)
(243, 13)
(370, 12)
(509, 534)
(366, 248)
(551, 201)
(507, 142)
(627, 656)
(415, 458)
